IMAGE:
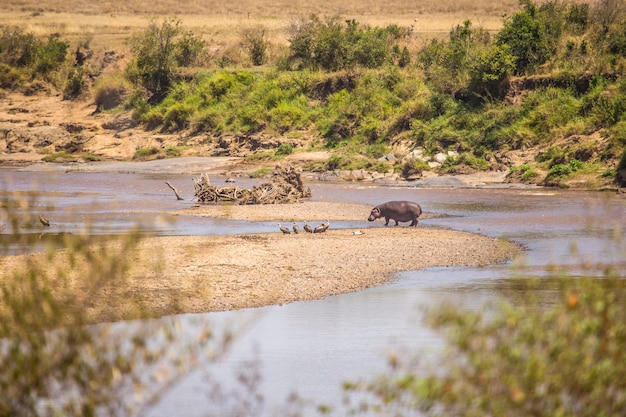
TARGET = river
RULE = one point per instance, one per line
(312, 347)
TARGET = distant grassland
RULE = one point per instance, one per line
(107, 24)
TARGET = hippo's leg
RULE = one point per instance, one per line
(414, 222)
(396, 222)
(386, 221)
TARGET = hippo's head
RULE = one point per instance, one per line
(375, 214)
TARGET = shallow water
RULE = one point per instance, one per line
(311, 347)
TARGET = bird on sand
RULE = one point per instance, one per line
(296, 229)
(322, 227)
(44, 221)
(284, 229)
(307, 228)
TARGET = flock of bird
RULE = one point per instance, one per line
(307, 228)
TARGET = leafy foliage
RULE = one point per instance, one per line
(525, 34)
(55, 360)
(39, 57)
(332, 45)
(158, 53)
(255, 42)
(560, 352)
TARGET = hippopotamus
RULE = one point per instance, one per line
(400, 211)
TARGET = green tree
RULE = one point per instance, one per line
(526, 38)
(489, 69)
(159, 51)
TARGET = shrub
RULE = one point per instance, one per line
(74, 84)
(54, 360)
(255, 43)
(413, 167)
(526, 38)
(622, 161)
(284, 149)
(578, 17)
(25, 50)
(173, 151)
(489, 68)
(555, 354)
(142, 153)
(190, 49)
(10, 77)
(335, 162)
(528, 173)
(177, 116)
(59, 157)
(563, 170)
(17, 48)
(92, 157)
(261, 172)
(332, 45)
(110, 91)
(50, 55)
(288, 115)
(158, 53)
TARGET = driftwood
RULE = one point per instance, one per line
(178, 197)
(285, 186)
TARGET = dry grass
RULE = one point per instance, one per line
(107, 24)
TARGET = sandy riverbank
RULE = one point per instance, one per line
(193, 274)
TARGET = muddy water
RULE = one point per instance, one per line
(312, 347)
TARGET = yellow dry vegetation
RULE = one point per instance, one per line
(107, 24)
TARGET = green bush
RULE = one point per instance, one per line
(335, 162)
(413, 167)
(24, 50)
(60, 157)
(10, 77)
(50, 55)
(563, 170)
(489, 68)
(559, 353)
(255, 43)
(525, 35)
(261, 172)
(55, 361)
(158, 52)
(622, 161)
(143, 153)
(284, 149)
(74, 84)
(332, 45)
(528, 173)
(17, 48)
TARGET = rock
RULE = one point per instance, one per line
(440, 158)
(389, 158)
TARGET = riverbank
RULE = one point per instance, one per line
(194, 274)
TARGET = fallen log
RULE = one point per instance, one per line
(285, 186)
